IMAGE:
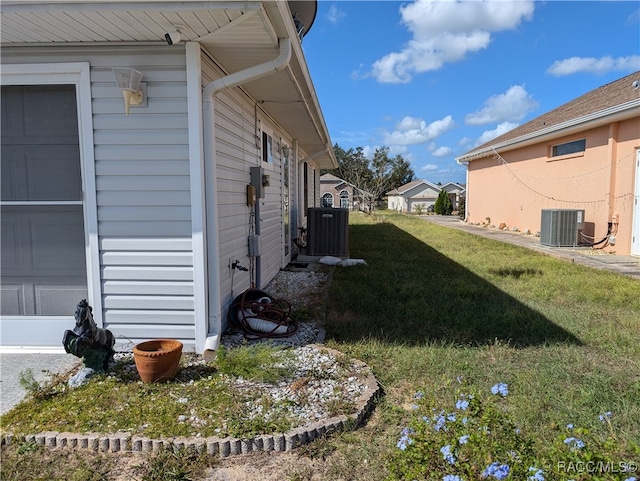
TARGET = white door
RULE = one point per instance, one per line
(635, 235)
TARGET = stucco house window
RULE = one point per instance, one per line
(569, 148)
(327, 200)
(344, 199)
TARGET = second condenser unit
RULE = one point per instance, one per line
(327, 232)
(561, 227)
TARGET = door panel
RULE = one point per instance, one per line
(43, 241)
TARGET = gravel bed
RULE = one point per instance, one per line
(320, 380)
(303, 290)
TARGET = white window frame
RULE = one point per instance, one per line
(269, 163)
(30, 331)
(575, 153)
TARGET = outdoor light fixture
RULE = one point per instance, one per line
(128, 80)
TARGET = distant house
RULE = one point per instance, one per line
(423, 193)
(144, 206)
(583, 155)
(336, 192)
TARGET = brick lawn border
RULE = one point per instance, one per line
(223, 447)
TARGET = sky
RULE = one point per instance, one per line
(431, 80)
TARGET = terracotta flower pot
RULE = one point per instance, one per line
(157, 360)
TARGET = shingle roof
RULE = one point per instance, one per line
(414, 183)
(605, 97)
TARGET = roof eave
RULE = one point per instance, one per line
(617, 113)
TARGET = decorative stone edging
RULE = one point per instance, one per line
(222, 447)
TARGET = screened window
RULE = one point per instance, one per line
(267, 148)
(569, 148)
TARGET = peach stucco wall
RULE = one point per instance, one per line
(514, 187)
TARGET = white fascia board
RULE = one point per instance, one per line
(50, 5)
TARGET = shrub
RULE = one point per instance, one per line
(443, 204)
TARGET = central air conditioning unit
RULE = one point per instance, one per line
(327, 232)
(561, 227)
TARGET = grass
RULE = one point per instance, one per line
(435, 303)
(203, 400)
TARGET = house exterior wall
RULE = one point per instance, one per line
(144, 254)
(397, 203)
(515, 188)
(335, 189)
(142, 192)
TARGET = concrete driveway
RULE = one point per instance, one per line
(41, 364)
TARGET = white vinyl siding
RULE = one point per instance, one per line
(142, 192)
(238, 148)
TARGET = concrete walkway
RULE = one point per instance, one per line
(625, 265)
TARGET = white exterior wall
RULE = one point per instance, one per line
(238, 148)
(145, 278)
(142, 193)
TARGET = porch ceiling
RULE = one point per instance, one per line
(238, 34)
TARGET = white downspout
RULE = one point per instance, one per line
(209, 138)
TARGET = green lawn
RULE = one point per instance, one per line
(436, 303)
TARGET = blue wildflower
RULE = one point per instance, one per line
(452, 477)
(574, 443)
(405, 439)
(464, 439)
(440, 421)
(462, 404)
(496, 470)
(465, 420)
(447, 454)
(632, 478)
(570, 426)
(537, 475)
(419, 395)
(605, 417)
(459, 379)
(451, 417)
(500, 388)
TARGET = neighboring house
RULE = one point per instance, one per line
(456, 193)
(335, 192)
(424, 193)
(147, 214)
(583, 155)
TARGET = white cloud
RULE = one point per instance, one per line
(429, 168)
(510, 106)
(464, 141)
(445, 31)
(368, 151)
(593, 65)
(334, 15)
(413, 130)
(442, 152)
(492, 134)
